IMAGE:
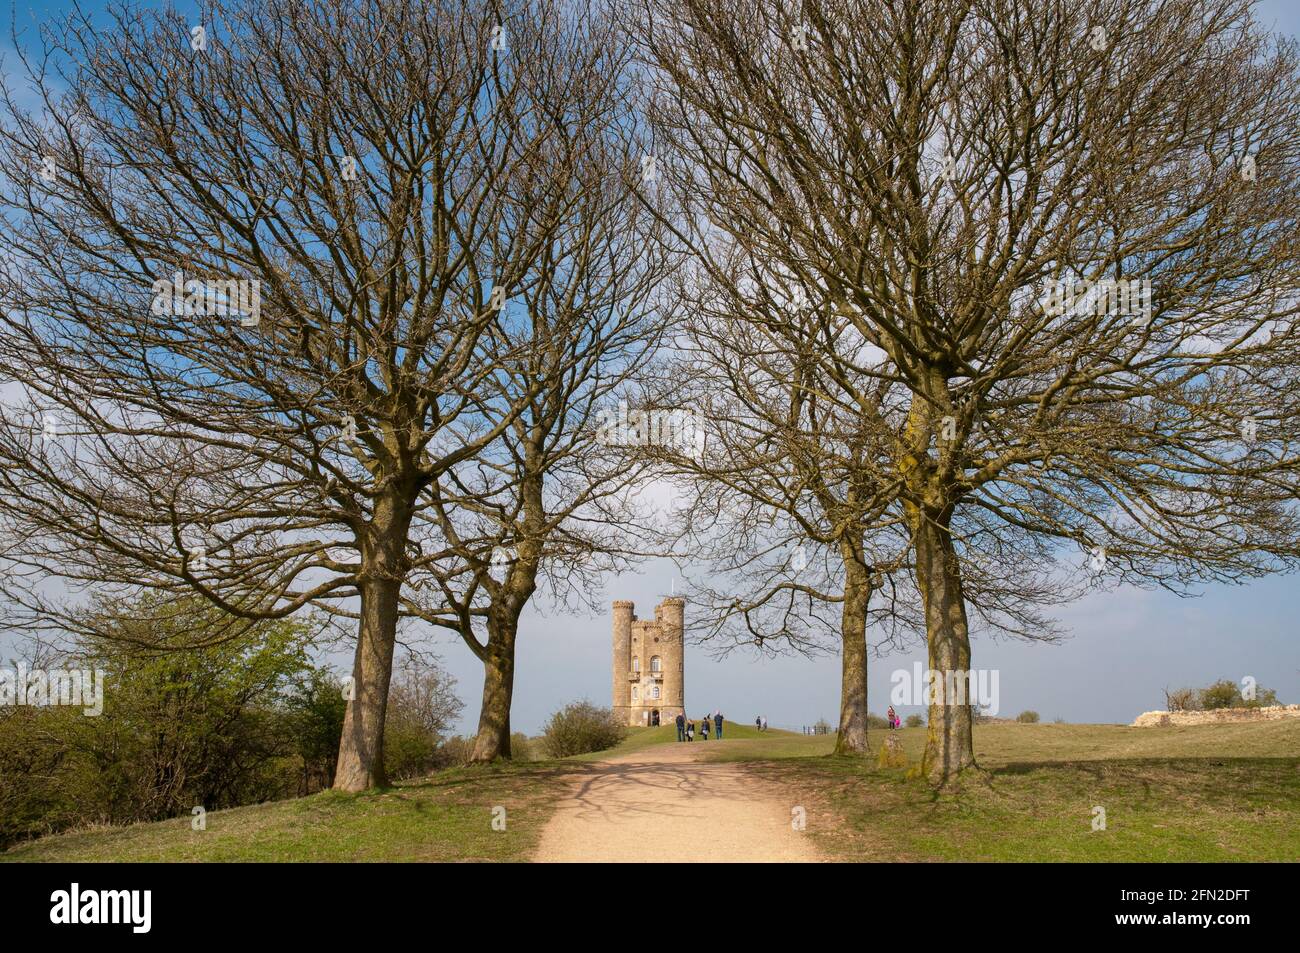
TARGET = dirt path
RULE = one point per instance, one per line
(664, 804)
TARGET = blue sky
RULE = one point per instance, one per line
(1124, 647)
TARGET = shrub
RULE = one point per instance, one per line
(1182, 699)
(580, 728)
(1224, 693)
(875, 721)
(454, 752)
(422, 705)
(521, 748)
(1027, 717)
(314, 709)
(914, 721)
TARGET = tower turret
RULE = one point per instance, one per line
(622, 665)
(671, 613)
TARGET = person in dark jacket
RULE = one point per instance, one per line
(717, 725)
(681, 727)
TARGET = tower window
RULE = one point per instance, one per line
(655, 664)
(634, 692)
(636, 663)
(654, 691)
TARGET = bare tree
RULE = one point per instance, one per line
(786, 485)
(257, 266)
(794, 503)
(1068, 232)
(553, 501)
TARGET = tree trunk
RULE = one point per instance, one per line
(361, 749)
(949, 746)
(853, 652)
(493, 738)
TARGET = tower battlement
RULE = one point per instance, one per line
(648, 662)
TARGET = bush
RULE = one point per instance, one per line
(314, 709)
(454, 752)
(914, 721)
(181, 726)
(1027, 717)
(1182, 699)
(239, 721)
(876, 721)
(521, 749)
(422, 705)
(1224, 693)
(580, 728)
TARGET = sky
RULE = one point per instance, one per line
(1123, 648)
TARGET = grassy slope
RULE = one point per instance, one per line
(1209, 792)
(641, 738)
(447, 818)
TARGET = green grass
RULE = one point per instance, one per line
(1197, 793)
(446, 818)
(1205, 792)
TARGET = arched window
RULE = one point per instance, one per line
(634, 693)
(655, 664)
(654, 691)
(636, 663)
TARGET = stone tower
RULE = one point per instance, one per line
(649, 663)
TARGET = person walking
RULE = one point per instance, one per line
(681, 726)
(717, 725)
(758, 722)
(893, 718)
(690, 731)
(764, 724)
(704, 728)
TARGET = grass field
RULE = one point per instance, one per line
(1202, 793)
(1209, 792)
(447, 818)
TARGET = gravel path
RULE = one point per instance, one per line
(665, 804)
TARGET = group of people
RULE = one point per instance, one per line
(686, 727)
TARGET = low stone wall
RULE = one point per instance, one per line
(1216, 717)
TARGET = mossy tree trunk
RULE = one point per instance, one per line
(949, 747)
(853, 651)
